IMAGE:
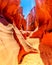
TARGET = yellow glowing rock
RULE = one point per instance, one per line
(34, 42)
(32, 59)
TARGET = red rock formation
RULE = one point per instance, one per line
(13, 14)
(10, 9)
(43, 16)
(20, 21)
(31, 20)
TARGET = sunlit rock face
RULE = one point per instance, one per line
(13, 12)
(9, 8)
(49, 4)
(43, 10)
(20, 22)
(43, 17)
(30, 20)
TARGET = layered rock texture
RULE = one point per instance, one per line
(14, 47)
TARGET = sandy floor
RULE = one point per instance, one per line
(33, 59)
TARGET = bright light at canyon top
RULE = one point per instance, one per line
(27, 6)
